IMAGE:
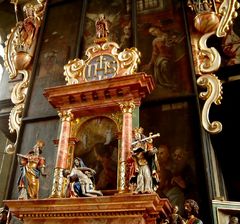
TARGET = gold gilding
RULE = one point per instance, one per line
(19, 51)
(210, 19)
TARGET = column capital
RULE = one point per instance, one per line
(127, 107)
(66, 115)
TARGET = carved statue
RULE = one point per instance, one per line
(143, 163)
(191, 208)
(199, 6)
(233, 220)
(32, 165)
(101, 24)
(80, 180)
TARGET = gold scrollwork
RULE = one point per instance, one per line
(127, 62)
(210, 20)
(73, 70)
(130, 58)
(19, 51)
(227, 11)
(213, 94)
(211, 59)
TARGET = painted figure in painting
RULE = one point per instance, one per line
(106, 167)
(143, 163)
(170, 186)
(162, 59)
(81, 182)
(233, 220)
(176, 176)
(231, 47)
(32, 165)
(101, 24)
(191, 208)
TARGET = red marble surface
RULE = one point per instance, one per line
(62, 154)
(120, 208)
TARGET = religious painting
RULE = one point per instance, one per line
(178, 150)
(163, 43)
(98, 148)
(118, 18)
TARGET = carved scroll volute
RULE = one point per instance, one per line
(19, 51)
(211, 19)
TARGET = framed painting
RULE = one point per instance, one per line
(163, 42)
(178, 151)
(98, 148)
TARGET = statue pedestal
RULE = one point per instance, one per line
(121, 208)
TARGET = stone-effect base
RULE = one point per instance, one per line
(125, 209)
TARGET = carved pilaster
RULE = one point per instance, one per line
(62, 154)
(127, 109)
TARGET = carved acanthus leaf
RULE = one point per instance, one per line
(211, 59)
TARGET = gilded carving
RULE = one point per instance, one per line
(211, 59)
(59, 184)
(122, 177)
(213, 94)
(19, 51)
(66, 115)
(211, 19)
(103, 62)
(227, 11)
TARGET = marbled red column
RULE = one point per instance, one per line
(127, 109)
(126, 135)
(62, 154)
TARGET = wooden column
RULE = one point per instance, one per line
(127, 109)
(62, 154)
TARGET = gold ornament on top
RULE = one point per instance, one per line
(213, 94)
(19, 52)
(212, 18)
(104, 61)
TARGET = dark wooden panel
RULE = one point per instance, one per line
(58, 45)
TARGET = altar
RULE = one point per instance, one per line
(105, 85)
(121, 208)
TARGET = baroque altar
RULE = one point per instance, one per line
(106, 84)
